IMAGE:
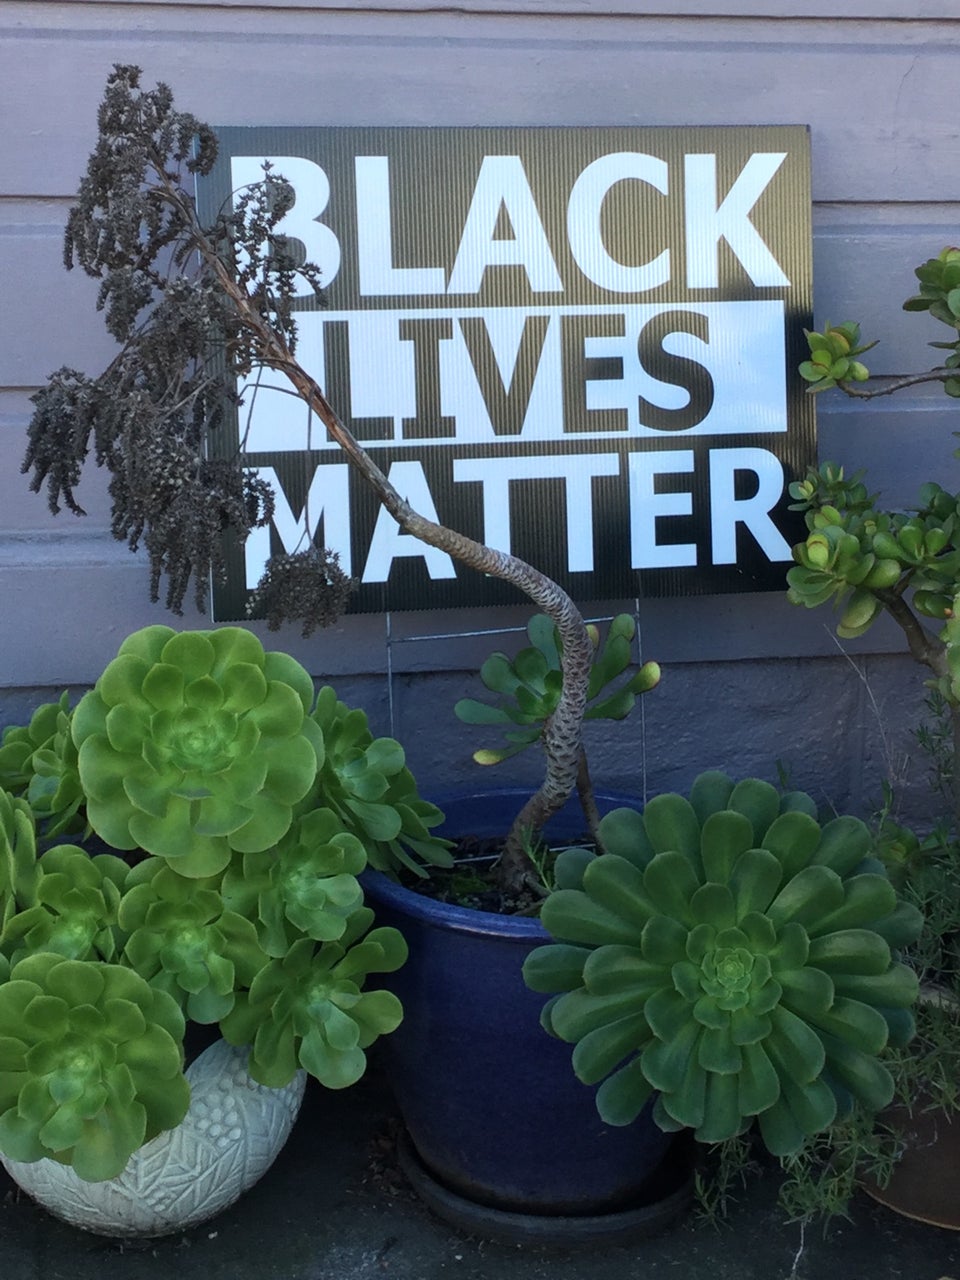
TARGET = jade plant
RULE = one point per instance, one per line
(870, 558)
(731, 958)
(224, 817)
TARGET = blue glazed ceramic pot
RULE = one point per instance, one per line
(489, 1099)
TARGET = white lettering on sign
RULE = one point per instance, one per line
(731, 352)
(327, 512)
(576, 470)
(502, 186)
(708, 223)
(647, 506)
(727, 511)
(378, 275)
(653, 512)
(585, 233)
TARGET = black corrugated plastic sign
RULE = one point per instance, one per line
(576, 344)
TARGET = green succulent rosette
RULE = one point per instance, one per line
(183, 941)
(38, 761)
(90, 1064)
(19, 742)
(195, 744)
(365, 782)
(306, 887)
(308, 1008)
(19, 873)
(71, 909)
(733, 957)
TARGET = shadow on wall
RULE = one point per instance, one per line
(836, 730)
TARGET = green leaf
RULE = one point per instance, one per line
(612, 968)
(622, 832)
(472, 712)
(781, 1133)
(807, 898)
(896, 989)
(556, 967)
(844, 843)
(622, 1097)
(620, 887)
(758, 801)
(799, 1050)
(856, 951)
(758, 1083)
(671, 823)
(571, 916)
(671, 881)
(577, 1013)
(755, 880)
(867, 898)
(600, 1051)
(723, 1118)
(710, 793)
(864, 1076)
(793, 839)
(380, 821)
(725, 836)
(718, 1053)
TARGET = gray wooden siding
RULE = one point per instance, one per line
(877, 88)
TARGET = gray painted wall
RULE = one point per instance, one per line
(748, 679)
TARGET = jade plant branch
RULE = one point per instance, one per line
(869, 559)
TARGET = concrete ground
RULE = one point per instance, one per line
(335, 1207)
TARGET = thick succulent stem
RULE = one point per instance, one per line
(588, 801)
(562, 735)
(924, 648)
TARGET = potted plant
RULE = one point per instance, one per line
(478, 1084)
(223, 814)
(196, 309)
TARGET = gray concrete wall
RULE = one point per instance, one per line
(748, 679)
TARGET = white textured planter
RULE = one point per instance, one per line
(230, 1136)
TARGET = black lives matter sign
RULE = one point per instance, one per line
(578, 345)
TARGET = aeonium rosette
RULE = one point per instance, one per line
(308, 1009)
(90, 1064)
(193, 745)
(733, 957)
